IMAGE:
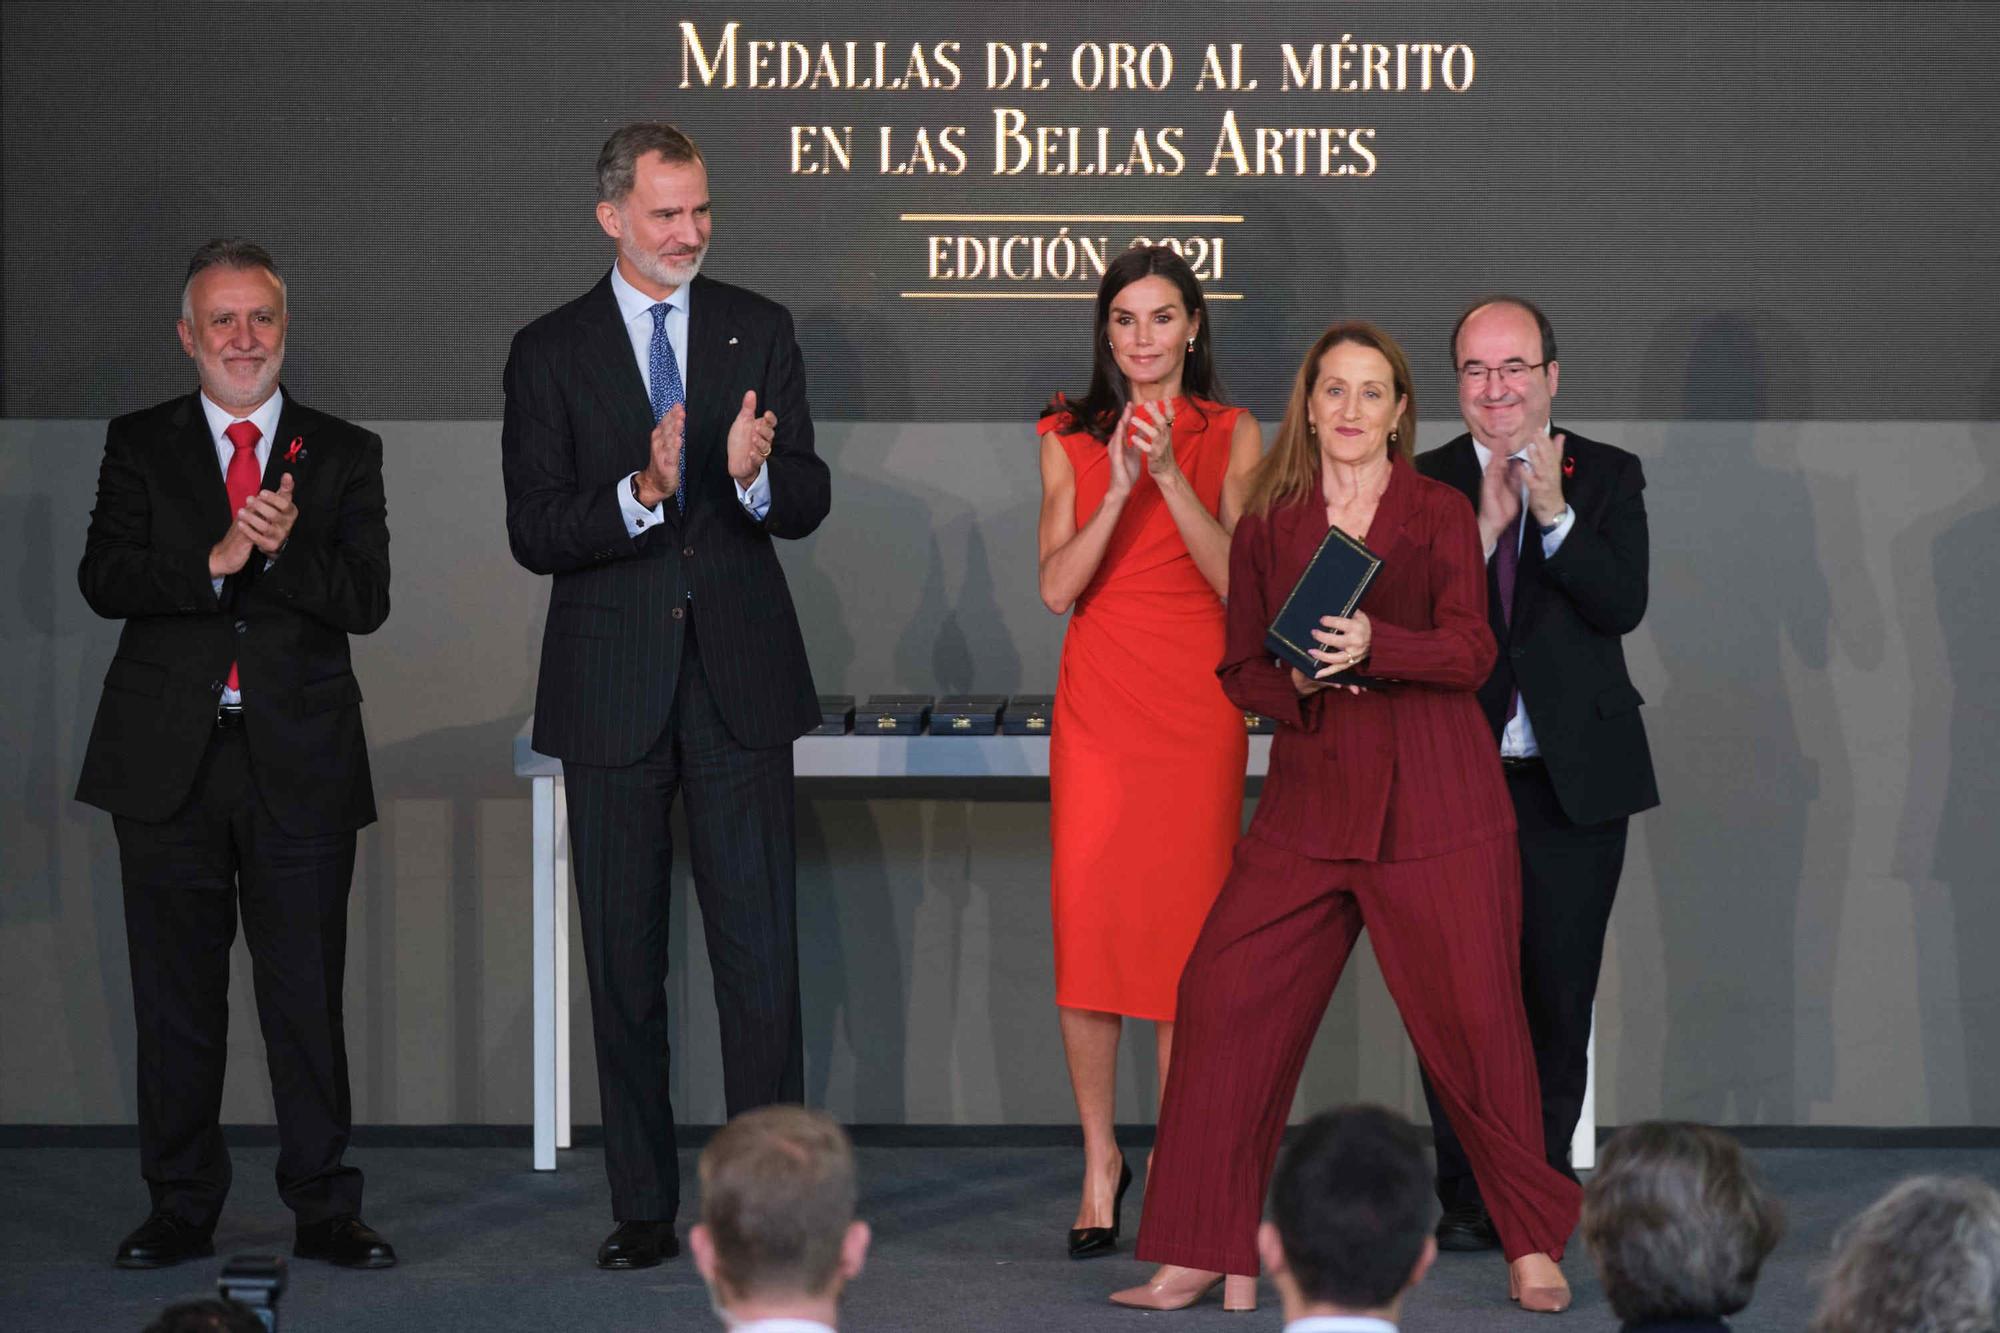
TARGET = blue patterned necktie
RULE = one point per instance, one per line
(664, 377)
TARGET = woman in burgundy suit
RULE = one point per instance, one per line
(1384, 808)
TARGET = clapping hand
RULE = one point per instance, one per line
(662, 474)
(1154, 438)
(229, 555)
(266, 518)
(1544, 477)
(1124, 457)
(1499, 500)
(750, 437)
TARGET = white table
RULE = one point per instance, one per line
(812, 757)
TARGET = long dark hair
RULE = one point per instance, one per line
(1099, 408)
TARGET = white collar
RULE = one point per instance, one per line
(633, 303)
(1340, 1323)
(265, 418)
(782, 1326)
(1485, 455)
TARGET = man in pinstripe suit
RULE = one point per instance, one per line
(656, 439)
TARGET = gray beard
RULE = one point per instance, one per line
(666, 274)
(265, 384)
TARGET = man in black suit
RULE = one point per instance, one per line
(1564, 523)
(642, 474)
(241, 536)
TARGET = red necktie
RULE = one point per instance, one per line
(242, 479)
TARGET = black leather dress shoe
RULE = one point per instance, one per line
(1466, 1228)
(1089, 1242)
(638, 1245)
(347, 1242)
(161, 1241)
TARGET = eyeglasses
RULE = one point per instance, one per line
(1511, 373)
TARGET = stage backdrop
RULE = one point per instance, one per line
(1765, 233)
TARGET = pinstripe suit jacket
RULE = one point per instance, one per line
(577, 423)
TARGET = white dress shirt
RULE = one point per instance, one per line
(1340, 1323)
(637, 309)
(265, 419)
(789, 1326)
(1518, 740)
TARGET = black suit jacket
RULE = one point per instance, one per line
(1564, 649)
(577, 423)
(161, 504)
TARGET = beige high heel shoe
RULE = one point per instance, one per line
(1536, 1282)
(1176, 1288)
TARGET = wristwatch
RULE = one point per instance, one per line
(1546, 528)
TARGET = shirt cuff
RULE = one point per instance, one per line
(637, 517)
(756, 497)
(1552, 540)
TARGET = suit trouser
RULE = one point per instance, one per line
(185, 880)
(1251, 999)
(1569, 877)
(740, 831)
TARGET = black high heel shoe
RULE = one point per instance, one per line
(1089, 1242)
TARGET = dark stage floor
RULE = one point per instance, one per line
(966, 1238)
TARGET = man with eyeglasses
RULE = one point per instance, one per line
(1564, 523)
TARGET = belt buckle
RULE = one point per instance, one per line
(229, 717)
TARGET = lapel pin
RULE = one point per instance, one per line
(1569, 467)
(732, 342)
(296, 450)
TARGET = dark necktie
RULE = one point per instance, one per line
(1507, 564)
(665, 377)
(242, 480)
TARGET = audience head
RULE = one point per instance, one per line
(1151, 329)
(1678, 1222)
(1352, 363)
(1924, 1258)
(1351, 1214)
(777, 1234)
(209, 1316)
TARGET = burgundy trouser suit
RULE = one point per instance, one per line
(1385, 810)
(1445, 930)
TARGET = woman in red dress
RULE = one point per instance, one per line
(1385, 808)
(1141, 484)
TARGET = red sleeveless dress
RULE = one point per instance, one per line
(1146, 756)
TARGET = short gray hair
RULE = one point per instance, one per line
(1678, 1222)
(231, 252)
(621, 153)
(1924, 1258)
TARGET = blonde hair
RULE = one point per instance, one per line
(1287, 472)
